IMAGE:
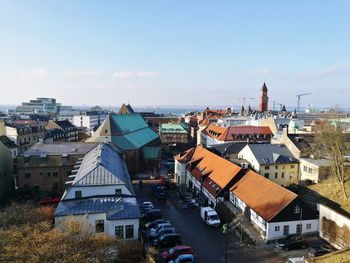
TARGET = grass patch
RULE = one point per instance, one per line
(330, 189)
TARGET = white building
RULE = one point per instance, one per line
(90, 122)
(273, 161)
(100, 191)
(273, 210)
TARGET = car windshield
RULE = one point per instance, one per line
(214, 217)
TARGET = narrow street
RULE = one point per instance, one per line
(208, 243)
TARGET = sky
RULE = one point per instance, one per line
(167, 52)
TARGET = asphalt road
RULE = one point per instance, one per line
(208, 243)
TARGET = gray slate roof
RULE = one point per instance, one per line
(60, 148)
(115, 207)
(272, 154)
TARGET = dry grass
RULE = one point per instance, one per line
(331, 189)
(342, 256)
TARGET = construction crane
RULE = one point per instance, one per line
(244, 99)
(300, 95)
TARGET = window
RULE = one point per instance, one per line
(299, 229)
(55, 174)
(129, 231)
(305, 168)
(283, 167)
(100, 226)
(297, 210)
(78, 194)
(277, 228)
(276, 167)
(118, 192)
(267, 167)
(27, 175)
(282, 175)
(308, 226)
(267, 175)
(286, 230)
(310, 170)
(292, 166)
(55, 186)
(26, 160)
(119, 231)
(64, 161)
(276, 175)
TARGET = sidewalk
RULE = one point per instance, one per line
(246, 225)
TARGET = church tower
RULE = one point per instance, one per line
(263, 99)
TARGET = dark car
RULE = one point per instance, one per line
(291, 242)
(50, 200)
(318, 251)
(155, 223)
(167, 240)
(161, 232)
(174, 252)
(151, 215)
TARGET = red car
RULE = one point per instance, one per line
(174, 252)
(49, 201)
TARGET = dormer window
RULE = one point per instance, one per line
(297, 209)
(118, 192)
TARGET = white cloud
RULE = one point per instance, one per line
(329, 72)
(31, 73)
(124, 74)
(74, 73)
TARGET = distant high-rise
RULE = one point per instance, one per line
(40, 105)
(263, 99)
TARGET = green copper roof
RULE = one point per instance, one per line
(151, 153)
(126, 131)
(171, 128)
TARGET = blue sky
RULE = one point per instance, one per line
(175, 52)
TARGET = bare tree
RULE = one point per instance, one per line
(330, 139)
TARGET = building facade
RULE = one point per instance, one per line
(274, 162)
(44, 168)
(273, 210)
(6, 169)
(23, 133)
(100, 192)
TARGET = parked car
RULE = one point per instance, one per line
(318, 251)
(174, 252)
(167, 240)
(295, 260)
(190, 201)
(155, 223)
(146, 206)
(151, 215)
(185, 258)
(158, 227)
(291, 242)
(49, 200)
(161, 232)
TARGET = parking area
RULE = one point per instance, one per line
(209, 244)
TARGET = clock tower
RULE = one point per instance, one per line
(263, 99)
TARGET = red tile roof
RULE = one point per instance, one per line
(207, 120)
(220, 171)
(263, 196)
(228, 134)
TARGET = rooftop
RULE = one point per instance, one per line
(102, 166)
(272, 153)
(265, 197)
(171, 128)
(60, 148)
(7, 142)
(114, 207)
